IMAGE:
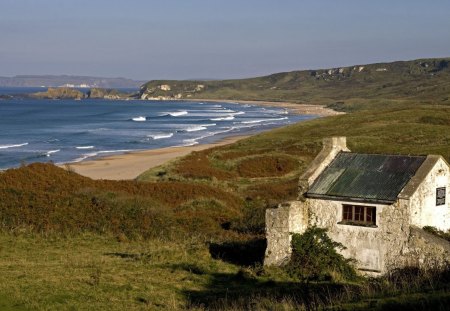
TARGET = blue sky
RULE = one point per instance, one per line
(185, 39)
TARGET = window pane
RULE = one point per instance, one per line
(371, 214)
(359, 213)
(347, 212)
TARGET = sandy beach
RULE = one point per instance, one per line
(130, 165)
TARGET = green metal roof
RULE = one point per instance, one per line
(365, 177)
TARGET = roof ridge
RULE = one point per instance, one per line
(388, 154)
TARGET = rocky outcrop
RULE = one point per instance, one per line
(170, 90)
(109, 94)
(59, 93)
(73, 93)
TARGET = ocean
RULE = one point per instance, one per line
(65, 131)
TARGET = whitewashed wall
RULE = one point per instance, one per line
(424, 211)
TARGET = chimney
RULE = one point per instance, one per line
(331, 146)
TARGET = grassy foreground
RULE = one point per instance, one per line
(92, 272)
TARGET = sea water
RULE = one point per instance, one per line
(64, 131)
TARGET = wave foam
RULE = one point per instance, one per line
(49, 153)
(178, 113)
(196, 128)
(94, 154)
(12, 146)
(190, 142)
(227, 118)
(139, 119)
(263, 120)
(160, 136)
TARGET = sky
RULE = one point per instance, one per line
(214, 39)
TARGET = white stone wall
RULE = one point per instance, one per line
(375, 249)
(424, 211)
(368, 245)
(281, 222)
(391, 244)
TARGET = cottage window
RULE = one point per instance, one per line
(440, 196)
(358, 215)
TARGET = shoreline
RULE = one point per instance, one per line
(306, 109)
(128, 166)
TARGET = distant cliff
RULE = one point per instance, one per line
(342, 88)
(68, 81)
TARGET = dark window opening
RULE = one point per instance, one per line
(359, 215)
(440, 196)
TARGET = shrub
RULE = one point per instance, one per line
(314, 257)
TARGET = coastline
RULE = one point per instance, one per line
(130, 165)
(306, 109)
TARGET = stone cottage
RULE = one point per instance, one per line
(374, 204)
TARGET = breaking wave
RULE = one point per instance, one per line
(263, 120)
(94, 154)
(12, 146)
(139, 119)
(49, 153)
(189, 142)
(160, 136)
(227, 118)
(195, 128)
(178, 113)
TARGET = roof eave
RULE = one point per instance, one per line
(350, 199)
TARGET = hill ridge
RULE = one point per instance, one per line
(426, 79)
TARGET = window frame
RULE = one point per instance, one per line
(359, 215)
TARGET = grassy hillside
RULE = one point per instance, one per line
(265, 168)
(423, 81)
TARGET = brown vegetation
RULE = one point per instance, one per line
(266, 166)
(44, 198)
(276, 191)
(197, 165)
